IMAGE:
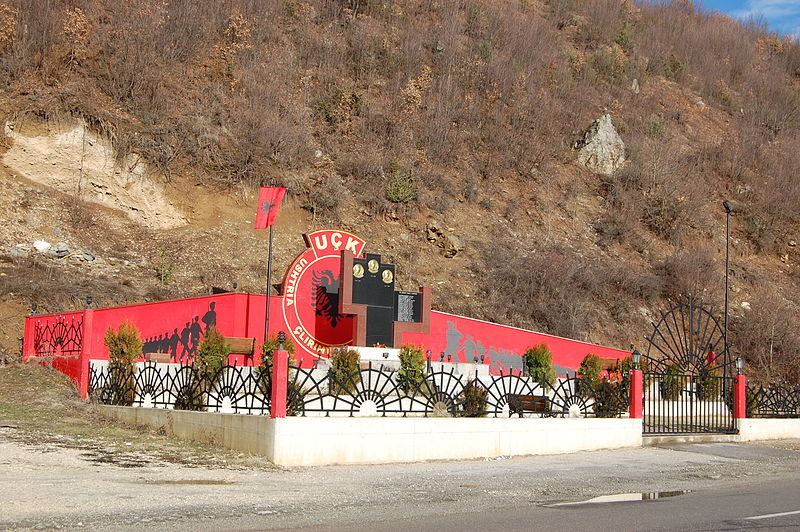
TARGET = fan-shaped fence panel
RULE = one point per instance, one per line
(773, 402)
(365, 392)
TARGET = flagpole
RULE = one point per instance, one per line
(269, 284)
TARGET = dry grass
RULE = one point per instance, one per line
(469, 98)
(43, 409)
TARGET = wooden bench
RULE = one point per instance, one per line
(162, 358)
(611, 367)
(241, 346)
(535, 404)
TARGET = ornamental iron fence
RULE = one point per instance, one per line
(773, 402)
(368, 391)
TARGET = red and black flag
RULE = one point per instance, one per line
(269, 201)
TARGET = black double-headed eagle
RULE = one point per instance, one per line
(325, 298)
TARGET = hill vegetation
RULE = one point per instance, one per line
(391, 118)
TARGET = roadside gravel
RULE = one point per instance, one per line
(56, 484)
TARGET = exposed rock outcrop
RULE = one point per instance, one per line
(602, 151)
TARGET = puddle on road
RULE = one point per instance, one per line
(626, 497)
(189, 482)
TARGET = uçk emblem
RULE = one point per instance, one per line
(311, 293)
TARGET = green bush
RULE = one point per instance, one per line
(709, 385)
(590, 369)
(608, 399)
(672, 383)
(539, 360)
(212, 353)
(472, 400)
(344, 374)
(401, 187)
(625, 366)
(124, 347)
(272, 344)
(412, 367)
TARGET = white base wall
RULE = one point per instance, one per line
(320, 441)
(768, 429)
(299, 441)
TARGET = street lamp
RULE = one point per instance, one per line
(636, 356)
(728, 212)
(739, 365)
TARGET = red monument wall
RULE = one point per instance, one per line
(308, 312)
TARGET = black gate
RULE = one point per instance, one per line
(688, 382)
(677, 403)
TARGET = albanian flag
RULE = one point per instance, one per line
(269, 201)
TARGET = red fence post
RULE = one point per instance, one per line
(27, 339)
(740, 397)
(83, 369)
(280, 381)
(637, 394)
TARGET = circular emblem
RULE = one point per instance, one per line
(358, 271)
(373, 266)
(311, 295)
(387, 276)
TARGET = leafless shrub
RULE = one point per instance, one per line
(694, 270)
(549, 291)
(767, 337)
(662, 186)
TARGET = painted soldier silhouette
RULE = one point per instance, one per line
(195, 332)
(454, 337)
(210, 317)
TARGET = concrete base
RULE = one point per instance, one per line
(674, 439)
(749, 430)
(323, 441)
(768, 429)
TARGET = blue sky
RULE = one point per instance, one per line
(782, 16)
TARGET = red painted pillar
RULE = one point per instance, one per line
(637, 394)
(86, 339)
(740, 397)
(27, 339)
(280, 381)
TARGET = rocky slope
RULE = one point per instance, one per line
(453, 138)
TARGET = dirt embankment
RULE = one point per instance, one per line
(76, 161)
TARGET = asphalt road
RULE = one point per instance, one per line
(54, 486)
(757, 506)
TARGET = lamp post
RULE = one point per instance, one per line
(728, 211)
(636, 357)
(739, 365)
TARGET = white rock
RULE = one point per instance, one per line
(42, 246)
(603, 150)
(745, 305)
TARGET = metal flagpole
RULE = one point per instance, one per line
(728, 210)
(269, 284)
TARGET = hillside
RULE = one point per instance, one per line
(445, 133)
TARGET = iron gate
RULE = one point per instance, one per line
(677, 403)
(688, 382)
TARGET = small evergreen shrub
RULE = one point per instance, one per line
(709, 386)
(294, 393)
(401, 187)
(472, 400)
(344, 374)
(212, 353)
(590, 369)
(124, 347)
(271, 345)
(539, 360)
(412, 367)
(626, 365)
(672, 383)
